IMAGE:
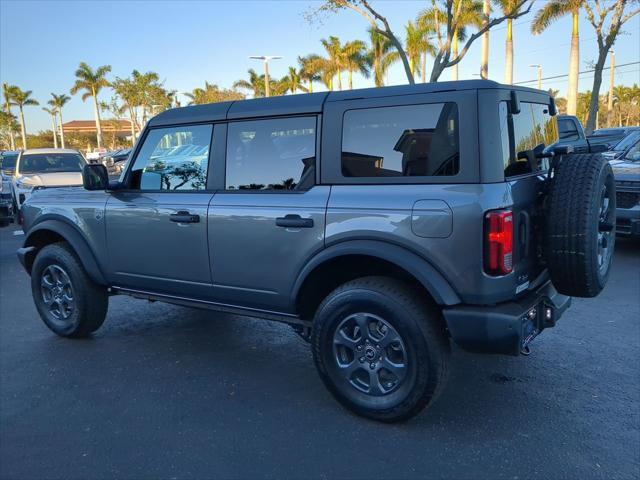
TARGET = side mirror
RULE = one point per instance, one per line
(95, 177)
(553, 110)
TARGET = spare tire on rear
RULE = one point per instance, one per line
(580, 224)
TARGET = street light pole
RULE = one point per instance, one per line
(267, 80)
(539, 67)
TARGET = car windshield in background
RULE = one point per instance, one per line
(8, 162)
(51, 163)
(626, 142)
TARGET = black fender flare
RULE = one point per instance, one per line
(435, 283)
(73, 237)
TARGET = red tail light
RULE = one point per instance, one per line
(499, 242)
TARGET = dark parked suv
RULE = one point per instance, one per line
(381, 223)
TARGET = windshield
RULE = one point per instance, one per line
(8, 162)
(51, 163)
(626, 142)
(633, 155)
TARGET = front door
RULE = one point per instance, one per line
(269, 219)
(157, 227)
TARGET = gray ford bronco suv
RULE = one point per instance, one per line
(383, 224)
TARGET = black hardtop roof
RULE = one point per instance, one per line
(308, 102)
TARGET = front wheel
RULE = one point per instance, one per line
(380, 348)
(68, 301)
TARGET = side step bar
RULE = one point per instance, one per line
(218, 307)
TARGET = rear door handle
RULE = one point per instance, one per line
(184, 217)
(294, 221)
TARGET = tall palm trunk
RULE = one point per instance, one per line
(12, 138)
(339, 80)
(96, 113)
(484, 65)
(350, 79)
(454, 48)
(53, 130)
(23, 129)
(310, 86)
(574, 65)
(508, 63)
(424, 67)
(133, 126)
(61, 128)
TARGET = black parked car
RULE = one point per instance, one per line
(620, 149)
(610, 136)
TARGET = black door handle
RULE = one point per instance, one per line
(184, 217)
(294, 221)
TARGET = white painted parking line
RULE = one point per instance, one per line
(17, 233)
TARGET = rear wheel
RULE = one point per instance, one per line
(581, 222)
(379, 349)
(68, 301)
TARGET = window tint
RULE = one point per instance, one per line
(51, 163)
(413, 140)
(173, 159)
(277, 154)
(567, 129)
(8, 162)
(531, 129)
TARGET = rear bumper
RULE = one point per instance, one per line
(506, 328)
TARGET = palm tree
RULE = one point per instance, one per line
(128, 93)
(336, 58)
(382, 55)
(552, 11)
(57, 102)
(211, 93)
(53, 113)
(507, 7)
(310, 68)
(255, 83)
(6, 92)
(92, 82)
(355, 55)
(22, 99)
(417, 46)
(146, 87)
(292, 82)
(471, 16)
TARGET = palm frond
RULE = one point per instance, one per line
(551, 12)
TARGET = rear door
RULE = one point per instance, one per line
(270, 217)
(157, 228)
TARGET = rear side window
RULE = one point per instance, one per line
(523, 135)
(567, 129)
(275, 154)
(173, 159)
(402, 141)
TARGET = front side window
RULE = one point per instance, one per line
(567, 129)
(173, 159)
(275, 154)
(633, 155)
(529, 132)
(51, 163)
(8, 163)
(401, 141)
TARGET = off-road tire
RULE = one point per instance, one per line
(574, 227)
(419, 325)
(90, 300)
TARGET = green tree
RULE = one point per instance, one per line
(311, 69)
(211, 93)
(292, 82)
(255, 83)
(381, 55)
(91, 82)
(507, 6)
(53, 113)
(8, 126)
(356, 60)
(22, 99)
(58, 102)
(6, 92)
(127, 91)
(548, 14)
(336, 58)
(417, 47)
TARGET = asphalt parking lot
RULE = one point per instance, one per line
(167, 392)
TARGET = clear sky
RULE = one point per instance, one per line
(188, 42)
